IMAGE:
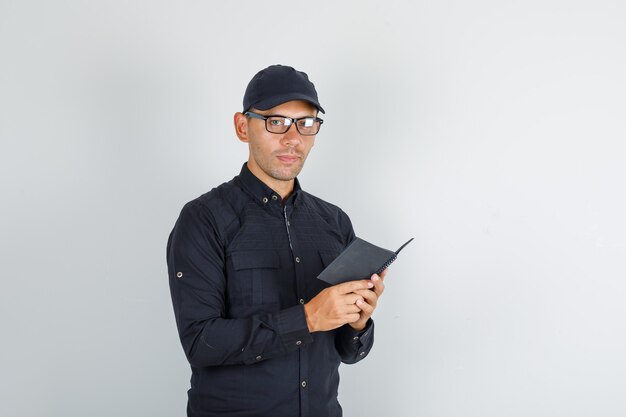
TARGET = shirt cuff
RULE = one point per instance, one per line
(292, 327)
(359, 336)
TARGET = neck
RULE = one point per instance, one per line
(283, 188)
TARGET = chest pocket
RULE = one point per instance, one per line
(314, 285)
(254, 277)
(328, 257)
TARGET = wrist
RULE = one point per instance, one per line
(359, 325)
(308, 315)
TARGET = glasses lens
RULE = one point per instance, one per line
(277, 124)
(308, 126)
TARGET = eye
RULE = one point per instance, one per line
(308, 122)
(276, 121)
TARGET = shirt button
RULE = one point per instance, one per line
(303, 384)
(297, 259)
(302, 301)
(258, 358)
(265, 200)
(274, 197)
(179, 274)
(355, 338)
(299, 342)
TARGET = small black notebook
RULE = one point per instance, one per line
(359, 260)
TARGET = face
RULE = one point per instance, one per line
(276, 157)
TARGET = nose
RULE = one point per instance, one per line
(292, 137)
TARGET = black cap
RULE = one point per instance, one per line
(278, 84)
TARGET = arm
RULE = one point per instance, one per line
(196, 259)
(354, 345)
(355, 340)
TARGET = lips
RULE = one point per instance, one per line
(289, 159)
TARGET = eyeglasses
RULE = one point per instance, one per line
(306, 126)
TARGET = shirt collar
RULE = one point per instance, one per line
(260, 192)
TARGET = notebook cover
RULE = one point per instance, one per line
(358, 261)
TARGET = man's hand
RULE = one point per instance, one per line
(370, 300)
(337, 305)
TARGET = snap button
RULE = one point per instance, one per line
(274, 197)
(302, 301)
(258, 358)
(303, 384)
(265, 200)
(179, 275)
(297, 259)
(299, 342)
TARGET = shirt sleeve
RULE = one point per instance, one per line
(354, 345)
(345, 225)
(351, 344)
(196, 265)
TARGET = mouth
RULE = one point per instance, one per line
(288, 159)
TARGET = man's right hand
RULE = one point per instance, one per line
(335, 306)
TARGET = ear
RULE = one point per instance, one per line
(241, 126)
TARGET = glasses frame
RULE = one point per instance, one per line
(293, 121)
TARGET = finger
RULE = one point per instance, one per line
(352, 286)
(384, 273)
(352, 298)
(379, 288)
(369, 296)
(379, 285)
(366, 308)
(353, 308)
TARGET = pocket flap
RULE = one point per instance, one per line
(255, 259)
(328, 257)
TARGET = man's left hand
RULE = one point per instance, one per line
(371, 299)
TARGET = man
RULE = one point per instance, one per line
(265, 337)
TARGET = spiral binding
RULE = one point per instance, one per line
(386, 264)
(393, 258)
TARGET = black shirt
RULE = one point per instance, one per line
(241, 267)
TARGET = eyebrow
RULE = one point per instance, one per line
(262, 113)
(288, 117)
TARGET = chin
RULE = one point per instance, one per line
(285, 175)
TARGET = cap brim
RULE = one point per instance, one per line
(276, 100)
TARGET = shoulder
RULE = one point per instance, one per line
(320, 205)
(328, 211)
(215, 209)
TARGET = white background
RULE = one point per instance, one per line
(491, 131)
